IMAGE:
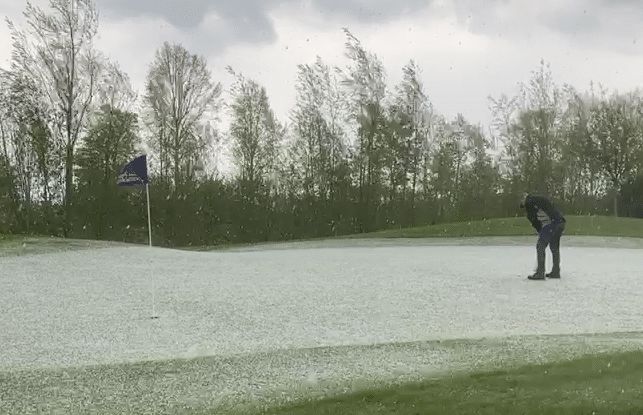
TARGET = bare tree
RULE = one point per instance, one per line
(180, 97)
(254, 130)
(27, 142)
(115, 89)
(529, 125)
(365, 79)
(56, 52)
(317, 122)
(411, 114)
(616, 129)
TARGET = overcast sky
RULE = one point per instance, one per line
(468, 49)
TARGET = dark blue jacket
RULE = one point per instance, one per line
(542, 212)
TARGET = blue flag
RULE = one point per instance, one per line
(134, 173)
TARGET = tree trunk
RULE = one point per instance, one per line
(4, 144)
(615, 202)
(177, 174)
(69, 182)
(456, 188)
(415, 175)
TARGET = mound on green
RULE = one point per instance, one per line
(576, 225)
(603, 384)
(28, 245)
(4, 238)
(602, 226)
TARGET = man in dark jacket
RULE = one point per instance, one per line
(550, 224)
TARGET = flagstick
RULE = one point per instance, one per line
(149, 230)
(149, 220)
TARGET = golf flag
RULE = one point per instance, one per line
(134, 173)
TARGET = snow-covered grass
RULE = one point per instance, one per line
(247, 383)
(255, 322)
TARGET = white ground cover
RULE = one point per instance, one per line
(300, 314)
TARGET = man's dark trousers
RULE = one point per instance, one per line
(550, 235)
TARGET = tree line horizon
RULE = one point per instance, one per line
(356, 155)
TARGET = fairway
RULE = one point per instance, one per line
(600, 384)
(278, 322)
(576, 225)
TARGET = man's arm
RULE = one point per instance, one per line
(531, 215)
(547, 206)
(532, 212)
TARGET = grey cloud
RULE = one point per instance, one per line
(614, 25)
(635, 3)
(370, 10)
(187, 14)
(571, 21)
(249, 13)
(242, 21)
(517, 16)
(610, 24)
(249, 20)
(483, 17)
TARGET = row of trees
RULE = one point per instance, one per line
(576, 146)
(354, 155)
